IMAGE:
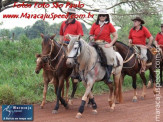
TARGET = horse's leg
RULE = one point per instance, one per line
(93, 103)
(74, 87)
(150, 81)
(84, 98)
(111, 96)
(118, 85)
(44, 93)
(153, 75)
(134, 87)
(89, 104)
(63, 91)
(61, 83)
(67, 88)
(142, 75)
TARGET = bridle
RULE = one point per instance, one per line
(48, 56)
(76, 55)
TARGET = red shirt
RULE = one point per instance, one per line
(159, 39)
(139, 37)
(74, 28)
(105, 33)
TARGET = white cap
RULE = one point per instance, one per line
(71, 10)
(102, 11)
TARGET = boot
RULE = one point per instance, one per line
(108, 73)
(143, 66)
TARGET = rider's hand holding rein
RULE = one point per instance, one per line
(115, 37)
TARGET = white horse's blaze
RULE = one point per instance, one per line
(75, 50)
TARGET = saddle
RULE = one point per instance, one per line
(100, 52)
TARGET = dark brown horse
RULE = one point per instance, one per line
(56, 57)
(132, 66)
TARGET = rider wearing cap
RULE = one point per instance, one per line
(137, 36)
(100, 32)
(70, 27)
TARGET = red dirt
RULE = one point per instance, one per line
(141, 111)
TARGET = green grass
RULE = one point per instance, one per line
(18, 82)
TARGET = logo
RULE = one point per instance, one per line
(17, 112)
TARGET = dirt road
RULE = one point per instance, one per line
(141, 111)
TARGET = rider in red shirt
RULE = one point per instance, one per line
(137, 36)
(70, 27)
(159, 39)
(100, 32)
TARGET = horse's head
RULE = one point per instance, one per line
(40, 62)
(74, 51)
(47, 43)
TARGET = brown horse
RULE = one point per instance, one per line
(55, 55)
(132, 66)
(48, 76)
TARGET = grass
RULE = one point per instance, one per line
(18, 82)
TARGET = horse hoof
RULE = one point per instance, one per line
(110, 103)
(154, 92)
(111, 110)
(54, 111)
(70, 102)
(67, 107)
(149, 84)
(41, 107)
(78, 115)
(134, 100)
(94, 111)
(116, 102)
(142, 97)
(89, 105)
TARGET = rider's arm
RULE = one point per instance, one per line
(156, 44)
(150, 41)
(115, 37)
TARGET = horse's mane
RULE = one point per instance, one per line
(46, 38)
(131, 48)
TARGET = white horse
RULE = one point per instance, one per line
(90, 70)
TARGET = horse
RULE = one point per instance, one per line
(55, 55)
(48, 77)
(83, 55)
(132, 66)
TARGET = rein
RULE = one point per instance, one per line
(127, 60)
(50, 60)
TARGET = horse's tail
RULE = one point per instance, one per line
(120, 91)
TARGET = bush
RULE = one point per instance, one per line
(7, 94)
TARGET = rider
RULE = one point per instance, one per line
(137, 36)
(159, 39)
(70, 26)
(100, 32)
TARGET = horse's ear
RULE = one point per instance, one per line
(52, 37)
(38, 55)
(42, 35)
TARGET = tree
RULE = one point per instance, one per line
(38, 27)
(151, 7)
